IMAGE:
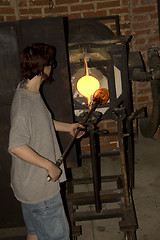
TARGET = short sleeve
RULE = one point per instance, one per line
(19, 132)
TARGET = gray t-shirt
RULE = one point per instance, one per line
(32, 125)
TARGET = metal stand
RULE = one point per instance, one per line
(122, 194)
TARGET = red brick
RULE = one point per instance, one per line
(113, 27)
(35, 16)
(140, 105)
(140, 18)
(156, 31)
(118, 11)
(101, 124)
(148, 2)
(82, 7)
(143, 9)
(153, 16)
(140, 41)
(136, 3)
(143, 25)
(144, 91)
(24, 17)
(29, 11)
(22, 3)
(4, 3)
(11, 18)
(39, 3)
(74, 15)
(85, 149)
(127, 32)
(111, 145)
(108, 4)
(124, 25)
(85, 141)
(1, 18)
(154, 39)
(143, 85)
(143, 99)
(58, 2)
(94, 14)
(125, 2)
(141, 32)
(89, 1)
(126, 18)
(62, 10)
(6, 10)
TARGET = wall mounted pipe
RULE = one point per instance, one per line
(149, 125)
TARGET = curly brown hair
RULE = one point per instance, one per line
(34, 58)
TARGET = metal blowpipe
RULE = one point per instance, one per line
(100, 97)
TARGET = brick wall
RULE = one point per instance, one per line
(138, 18)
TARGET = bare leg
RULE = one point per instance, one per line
(32, 237)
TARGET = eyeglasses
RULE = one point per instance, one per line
(52, 63)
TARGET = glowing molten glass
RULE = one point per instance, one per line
(87, 85)
(101, 96)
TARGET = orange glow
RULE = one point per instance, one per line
(87, 85)
(102, 95)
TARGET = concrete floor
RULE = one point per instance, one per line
(147, 188)
(146, 196)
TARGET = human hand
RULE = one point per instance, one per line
(53, 173)
(74, 127)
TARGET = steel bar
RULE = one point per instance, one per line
(62, 157)
(131, 163)
(112, 178)
(95, 168)
(123, 164)
(84, 198)
(102, 154)
(100, 97)
(105, 214)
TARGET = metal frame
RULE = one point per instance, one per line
(121, 111)
(122, 194)
(114, 17)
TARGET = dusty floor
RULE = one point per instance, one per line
(147, 188)
(146, 197)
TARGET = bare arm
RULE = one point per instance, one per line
(68, 127)
(29, 155)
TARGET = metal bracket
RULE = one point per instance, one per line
(140, 113)
(119, 114)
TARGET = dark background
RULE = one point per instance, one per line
(14, 36)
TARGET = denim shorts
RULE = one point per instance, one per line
(47, 219)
